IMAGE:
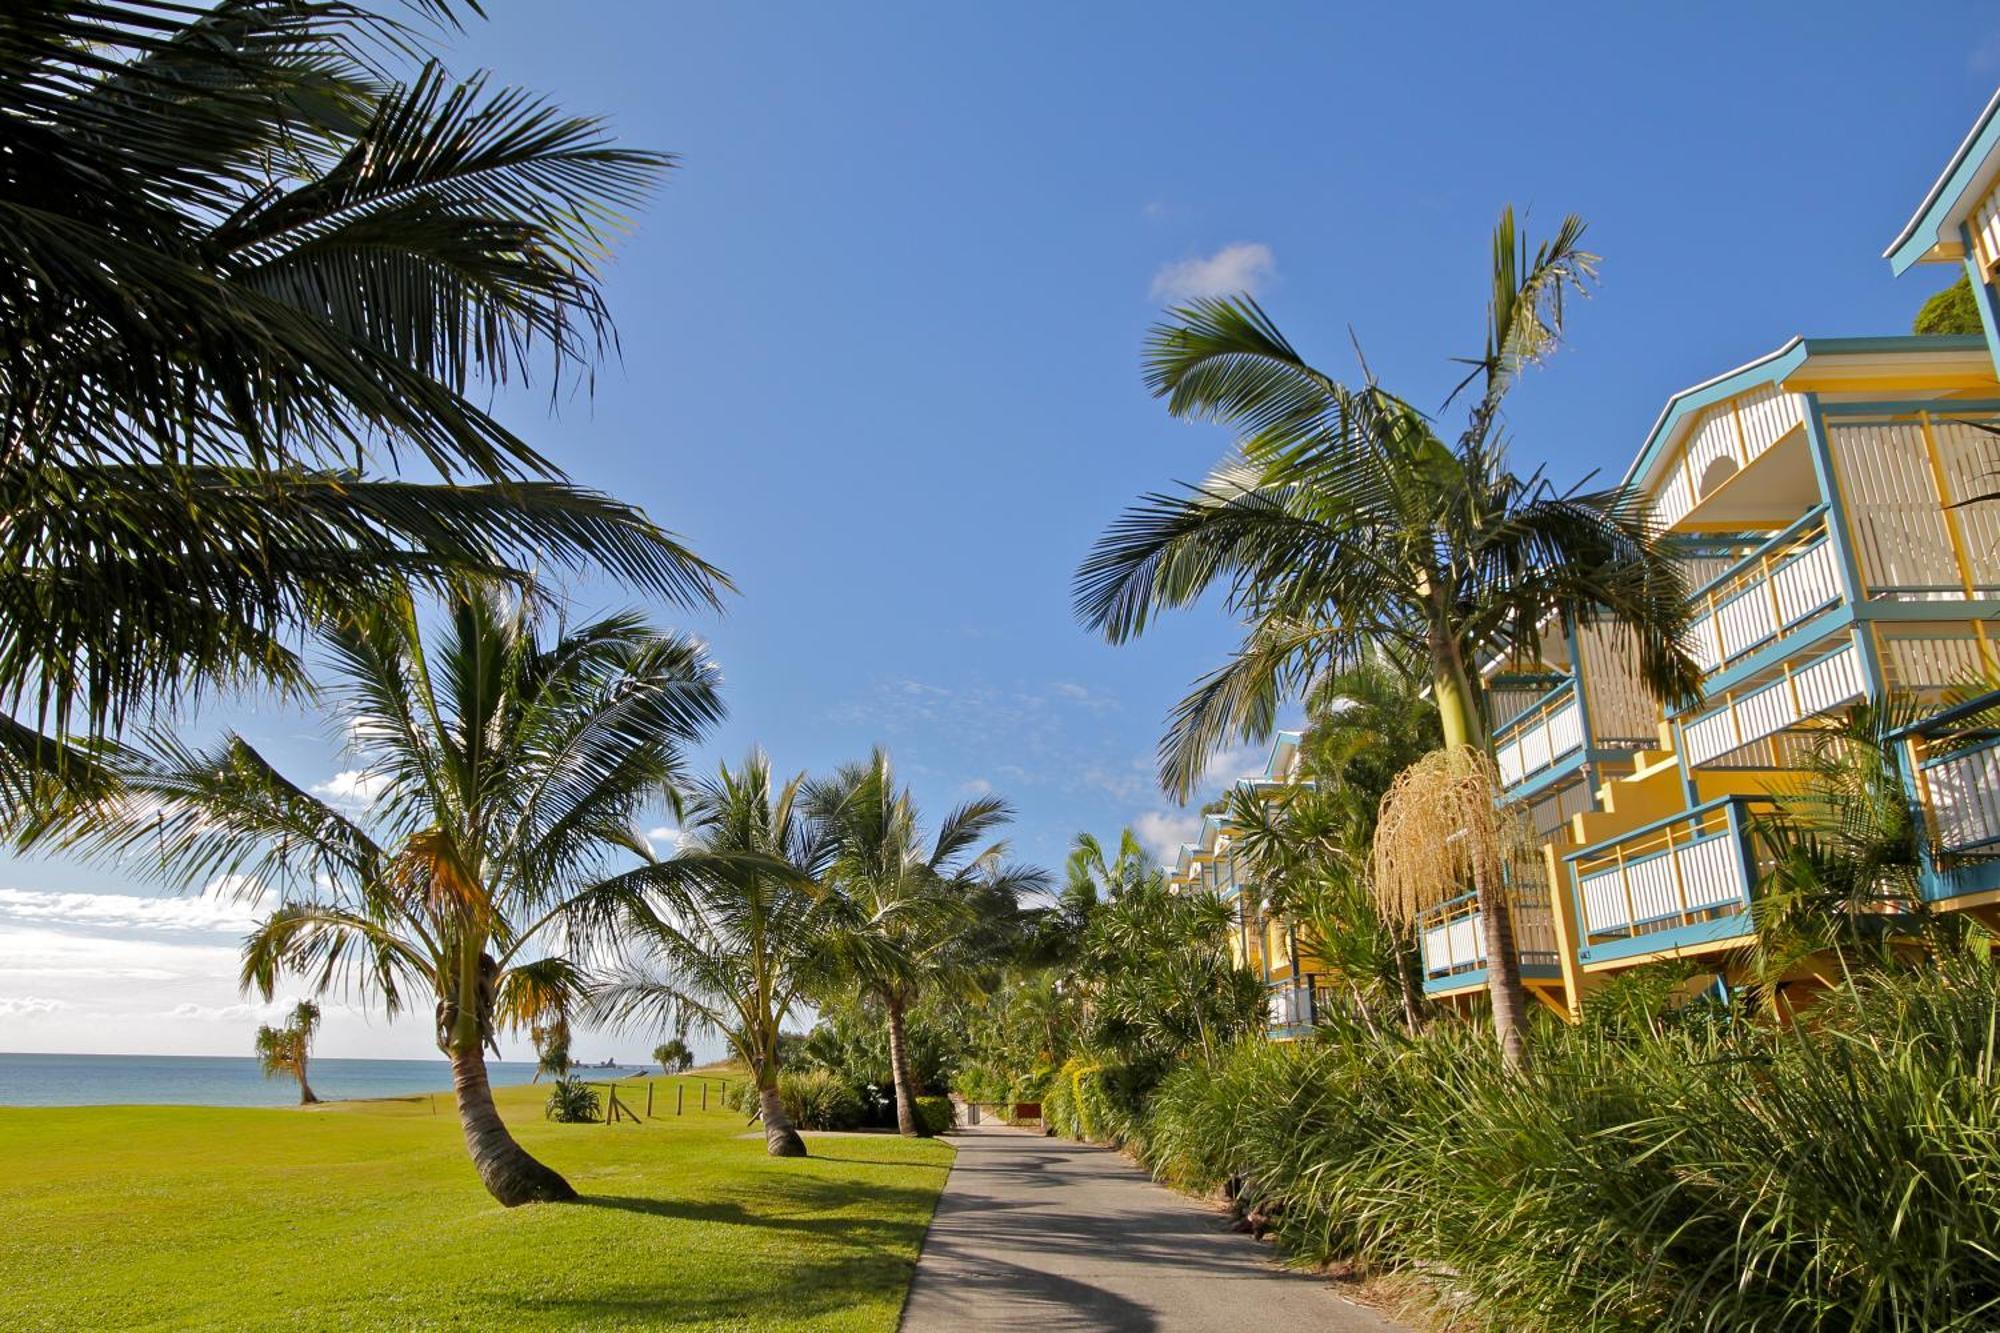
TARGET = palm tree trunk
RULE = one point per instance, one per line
(306, 1097)
(509, 1173)
(899, 1071)
(780, 1138)
(1503, 968)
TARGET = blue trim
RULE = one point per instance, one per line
(1831, 621)
(1597, 848)
(1732, 925)
(1940, 885)
(1763, 547)
(1938, 759)
(1476, 978)
(1982, 296)
(1920, 233)
(1770, 367)
(1912, 406)
(1534, 707)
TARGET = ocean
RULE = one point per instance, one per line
(222, 1080)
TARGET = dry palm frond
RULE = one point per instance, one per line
(1441, 828)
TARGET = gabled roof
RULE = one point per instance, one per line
(1962, 184)
(1774, 367)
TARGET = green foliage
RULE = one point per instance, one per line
(1093, 1101)
(256, 252)
(813, 1098)
(673, 1056)
(1650, 1175)
(935, 1115)
(287, 1049)
(851, 1040)
(1160, 981)
(1953, 310)
(572, 1102)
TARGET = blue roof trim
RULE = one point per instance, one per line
(1925, 226)
(1776, 365)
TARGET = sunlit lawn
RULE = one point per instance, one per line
(368, 1215)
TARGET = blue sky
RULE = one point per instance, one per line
(881, 334)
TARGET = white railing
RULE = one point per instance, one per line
(1453, 934)
(1535, 742)
(1765, 595)
(1964, 791)
(1796, 695)
(1290, 1007)
(1685, 869)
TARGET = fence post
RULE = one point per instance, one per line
(680, 1089)
(649, 1101)
(704, 1094)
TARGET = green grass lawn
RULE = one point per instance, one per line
(368, 1215)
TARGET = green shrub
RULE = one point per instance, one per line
(572, 1102)
(1094, 1101)
(934, 1114)
(1700, 1173)
(819, 1099)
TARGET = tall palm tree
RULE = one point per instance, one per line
(913, 914)
(287, 1049)
(509, 769)
(1344, 524)
(739, 948)
(251, 256)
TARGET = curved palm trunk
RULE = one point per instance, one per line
(509, 1173)
(899, 1071)
(1503, 970)
(306, 1097)
(781, 1139)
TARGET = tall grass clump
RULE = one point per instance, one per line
(1692, 1169)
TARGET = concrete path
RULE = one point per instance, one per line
(1040, 1233)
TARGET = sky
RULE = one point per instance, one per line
(880, 337)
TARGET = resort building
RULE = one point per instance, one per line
(1827, 495)
(1265, 941)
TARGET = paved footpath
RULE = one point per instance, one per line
(1042, 1233)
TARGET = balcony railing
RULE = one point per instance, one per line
(1453, 934)
(1766, 593)
(1535, 740)
(1796, 694)
(1963, 788)
(1694, 868)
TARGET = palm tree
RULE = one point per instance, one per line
(252, 255)
(914, 915)
(1345, 525)
(508, 768)
(285, 1050)
(737, 950)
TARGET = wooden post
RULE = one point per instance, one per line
(704, 1094)
(649, 1101)
(680, 1090)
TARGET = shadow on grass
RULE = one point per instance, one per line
(825, 1248)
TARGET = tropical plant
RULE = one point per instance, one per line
(286, 1049)
(736, 949)
(572, 1102)
(254, 254)
(1345, 525)
(1161, 980)
(911, 915)
(673, 1056)
(507, 770)
(551, 1038)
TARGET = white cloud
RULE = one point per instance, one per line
(663, 839)
(243, 1012)
(356, 788)
(973, 788)
(1238, 761)
(1242, 267)
(29, 1006)
(1162, 833)
(124, 911)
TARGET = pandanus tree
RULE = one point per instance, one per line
(1344, 523)
(288, 1048)
(739, 945)
(914, 915)
(508, 770)
(254, 257)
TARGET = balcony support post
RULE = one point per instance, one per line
(1563, 912)
(1839, 525)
